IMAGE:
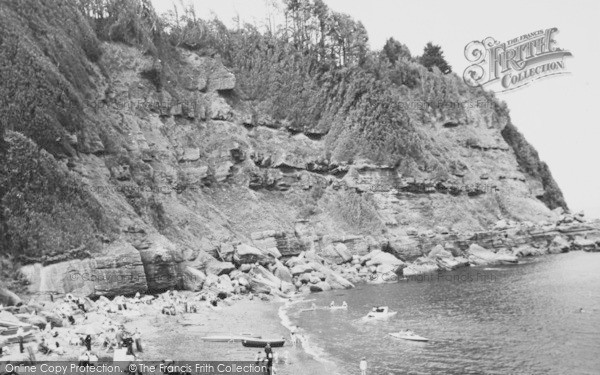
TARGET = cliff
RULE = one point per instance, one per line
(130, 162)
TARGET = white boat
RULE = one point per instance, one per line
(408, 335)
(341, 307)
(379, 312)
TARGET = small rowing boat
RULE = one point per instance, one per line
(261, 343)
(408, 335)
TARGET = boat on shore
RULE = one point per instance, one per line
(408, 335)
(229, 338)
(261, 343)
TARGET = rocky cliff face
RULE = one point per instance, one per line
(184, 179)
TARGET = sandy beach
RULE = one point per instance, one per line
(179, 337)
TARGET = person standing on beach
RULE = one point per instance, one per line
(88, 342)
(269, 355)
(363, 366)
(137, 338)
(20, 334)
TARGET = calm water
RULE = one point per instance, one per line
(519, 319)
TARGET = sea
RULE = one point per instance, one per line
(541, 316)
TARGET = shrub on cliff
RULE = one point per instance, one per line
(529, 161)
(45, 70)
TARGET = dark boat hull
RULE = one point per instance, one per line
(263, 343)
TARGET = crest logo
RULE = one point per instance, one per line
(515, 63)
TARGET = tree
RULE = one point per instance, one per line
(393, 50)
(434, 56)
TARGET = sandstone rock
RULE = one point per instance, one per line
(559, 245)
(36, 320)
(405, 248)
(304, 278)
(421, 266)
(161, 263)
(225, 285)
(118, 270)
(300, 269)
(321, 286)
(218, 268)
(287, 288)
(378, 257)
(479, 256)
(246, 254)
(334, 279)
(245, 267)
(219, 109)
(8, 298)
(220, 78)
(337, 253)
(581, 243)
(190, 154)
(193, 279)
(445, 260)
(527, 251)
(283, 273)
(262, 275)
(52, 317)
(304, 289)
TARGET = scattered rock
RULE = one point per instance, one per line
(479, 256)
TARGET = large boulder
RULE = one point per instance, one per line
(218, 268)
(559, 245)
(378, 257)
(193, 279)
(528, 251)
(480, 256)
(301, 268)
(246, 254)
(445, 260)
(337, 253)
(160, 261)
(282, 272)
(333, 278)
(262, 279)
(225, 285)
(421, 266)
(8, 298)
(581, 243)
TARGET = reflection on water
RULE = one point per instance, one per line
(518, 319)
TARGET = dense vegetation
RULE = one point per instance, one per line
(46, 212)
(46, 55)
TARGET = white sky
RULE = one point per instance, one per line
(555, 114)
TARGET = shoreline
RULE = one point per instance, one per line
(179, 337)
